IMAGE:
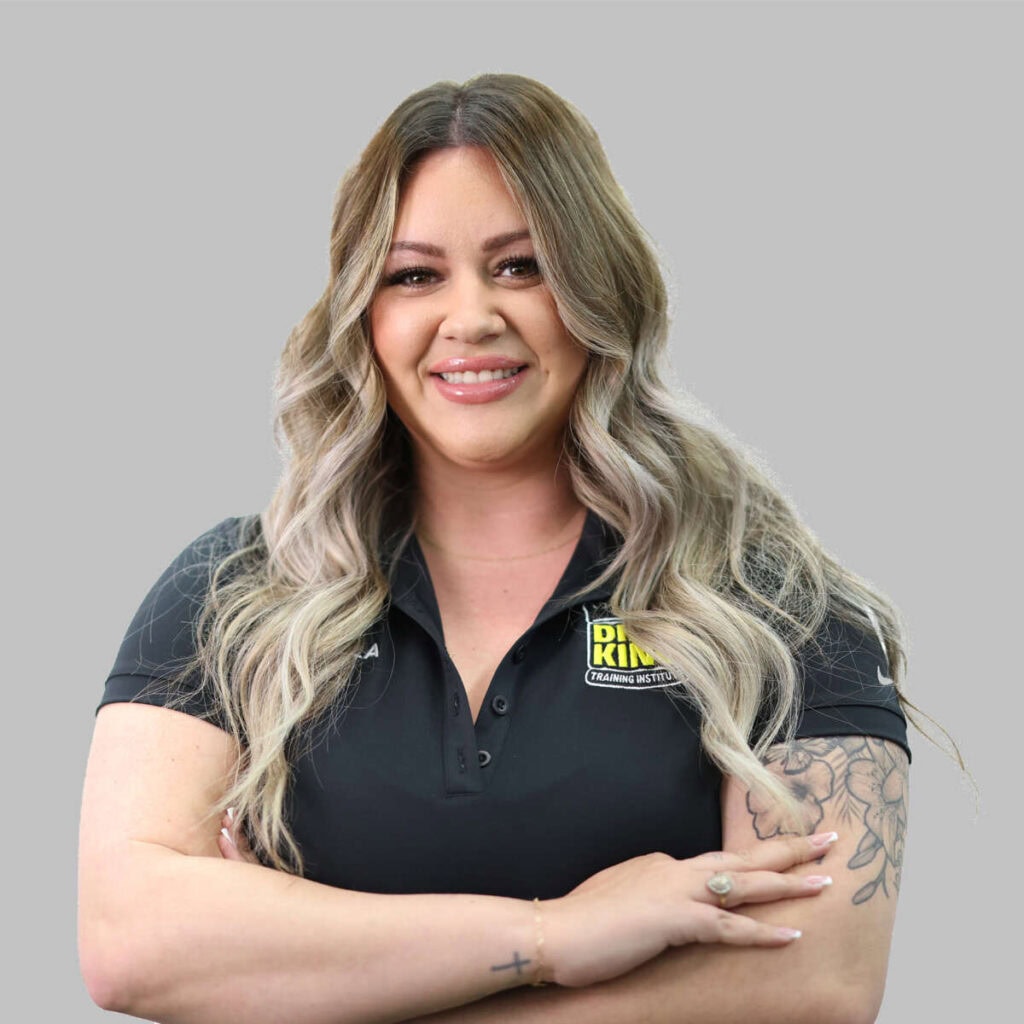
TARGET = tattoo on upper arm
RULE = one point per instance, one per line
(863, 781)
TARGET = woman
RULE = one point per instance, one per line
(520, 678)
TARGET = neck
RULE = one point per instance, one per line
(499, 514)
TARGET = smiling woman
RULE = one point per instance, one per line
(521, 677)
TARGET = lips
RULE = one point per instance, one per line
(475, 364)
(479, 379)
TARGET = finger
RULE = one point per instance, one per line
(715, 925)
(237, 845)
(770, 854)
(763, 887)
(227, 847)
(236, 834)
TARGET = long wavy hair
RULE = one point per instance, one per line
(716, 575)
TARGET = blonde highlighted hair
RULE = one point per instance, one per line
(716, 575)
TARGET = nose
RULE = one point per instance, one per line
(471, 315)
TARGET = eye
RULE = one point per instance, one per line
(523, 267)
(404, 277)
(527, 262)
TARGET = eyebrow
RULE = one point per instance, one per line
(497, 242)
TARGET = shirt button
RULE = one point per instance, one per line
(485, 758)
(519, 653)
(499, 705)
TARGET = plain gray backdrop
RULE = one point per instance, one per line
(836, 192)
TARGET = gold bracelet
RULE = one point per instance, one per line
(540, 944)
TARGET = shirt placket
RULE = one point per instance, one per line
(471, 751)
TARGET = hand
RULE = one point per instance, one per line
(232, 842)
(627, 914)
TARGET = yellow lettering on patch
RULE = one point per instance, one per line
(643, 657)
(612, 648)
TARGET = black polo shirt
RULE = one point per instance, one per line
(578, 760)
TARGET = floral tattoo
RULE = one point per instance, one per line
(864, 780)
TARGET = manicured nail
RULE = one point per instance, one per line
(788, 933)
(227, 835)
(231, 815)
(824, 838)
(817, 881)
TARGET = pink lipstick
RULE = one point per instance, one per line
(477, 379)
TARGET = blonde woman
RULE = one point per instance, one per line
(521, 677)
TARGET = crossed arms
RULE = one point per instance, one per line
(171, 931)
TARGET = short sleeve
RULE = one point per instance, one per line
(846, 686)
(161, 639)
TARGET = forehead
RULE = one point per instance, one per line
(452, 192)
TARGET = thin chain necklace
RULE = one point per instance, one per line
(571, 539)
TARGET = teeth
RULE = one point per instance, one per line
(471, 377)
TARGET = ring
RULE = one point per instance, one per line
(721, 886)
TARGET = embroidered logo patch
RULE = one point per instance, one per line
(614, 660)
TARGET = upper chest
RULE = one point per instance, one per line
(484, 608)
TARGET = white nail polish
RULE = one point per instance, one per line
(231, 815)
(227, 835)
(824, 838)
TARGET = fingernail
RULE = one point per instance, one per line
(231, 815)
(824, 838)
(227, 835)
(817, 881)
(788, 933)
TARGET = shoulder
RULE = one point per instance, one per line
(186, 581)
(846, 684)
(160, 642)
(213, 546)
(844, 654)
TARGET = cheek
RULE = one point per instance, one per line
(386, 338)
(572, 360)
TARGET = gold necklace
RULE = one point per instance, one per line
(571, 539)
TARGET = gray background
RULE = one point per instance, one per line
(835, 189)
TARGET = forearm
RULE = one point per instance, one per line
(187, 940)
(687, 985)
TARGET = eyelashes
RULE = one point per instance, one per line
(401, 277)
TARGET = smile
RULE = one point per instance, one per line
(476, 387)
(481, 377)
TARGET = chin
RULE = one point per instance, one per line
(489, 450)
(487, 456)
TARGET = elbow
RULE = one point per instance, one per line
(124, 957)
(120, 975)
(117, 956)
(104, 969)
(841, 1004)
(864, 1007)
